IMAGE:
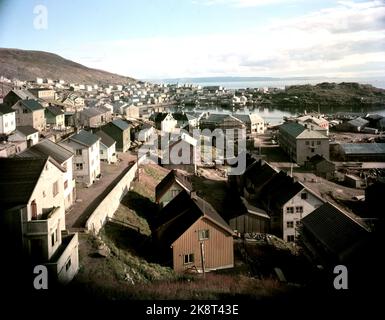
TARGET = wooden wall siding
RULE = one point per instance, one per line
(249, 223)
(219, 251)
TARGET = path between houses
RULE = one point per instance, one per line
(89, 198)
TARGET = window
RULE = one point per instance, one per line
(290, 210)
(312, 143)
(318, 143)
(44, 194)
(174, 193)
(101, 151)
(290, 238)
(203, 234)
(304, 196)
(53, 239)
(55, 188)
(68, 264)
(298, 209)
(297, 223)
(79, 166)
(290, 224)
(307, 143)
(188, 258)
(78, 152)
(66, 184)
(25, 111)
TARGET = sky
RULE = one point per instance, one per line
(157, 39)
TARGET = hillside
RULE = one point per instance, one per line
(329, 97)
(28, 65)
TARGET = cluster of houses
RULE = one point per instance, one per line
(191, 235)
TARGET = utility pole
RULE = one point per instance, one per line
(203, 258)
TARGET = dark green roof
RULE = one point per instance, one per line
(4, 109)
(32, 105)
(85, 137)
(292, 129)
(18, 177)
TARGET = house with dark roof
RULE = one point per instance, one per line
(170, 186)
(85, 146)
(287, 202)
(331, 237)
(164, 121)
(181, 119)
(321, 166)
(30, 113)
(54, 116)
(107, 147)
(354, 125)
(7, 119)
(302, 143)
(64, 157)
(25, 133)
(32, 218)
(191, 235)
(94, 117)
(15, 95)
(120, 131)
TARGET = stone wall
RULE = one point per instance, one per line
(110, 203)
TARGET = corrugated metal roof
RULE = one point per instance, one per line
(363, 148)
(47, 148)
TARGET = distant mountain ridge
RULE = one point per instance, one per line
(30, 64)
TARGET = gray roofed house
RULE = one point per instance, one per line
(331, 236)
(107, 147)
(55, 115)
(46, 148)
(105, 139)
(302, 143)
(85, 138)
(26, 130)
(354, 125)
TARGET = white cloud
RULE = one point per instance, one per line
(346, 39)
